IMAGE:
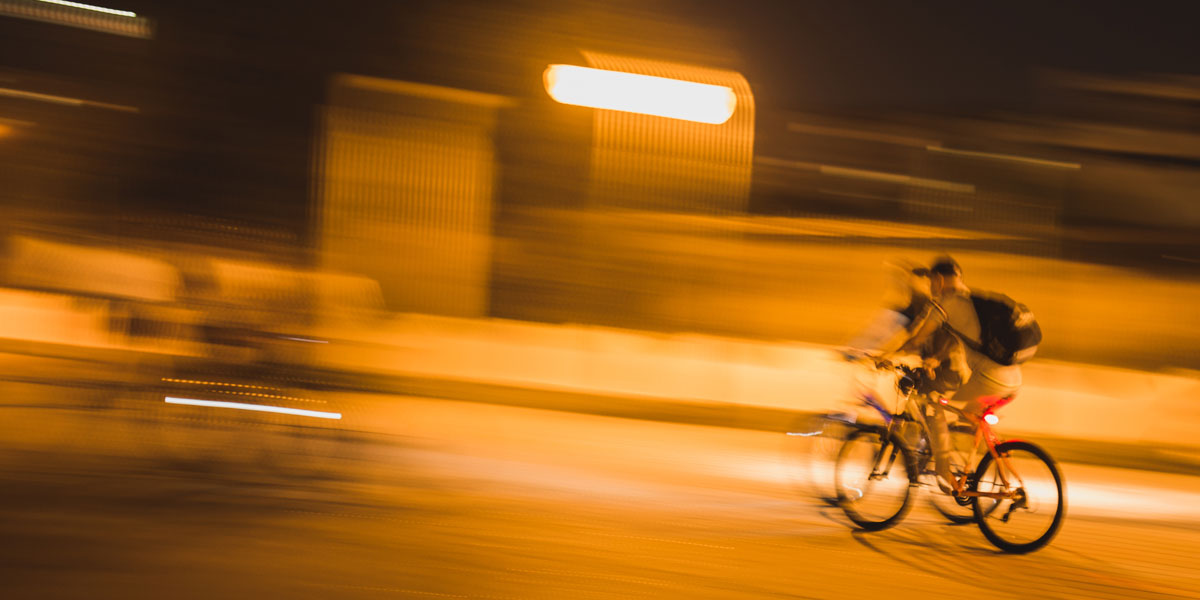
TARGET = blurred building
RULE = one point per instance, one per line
(444, 170)
(406, 189)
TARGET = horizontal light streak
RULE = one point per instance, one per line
(935, 184)
(424, 90)
(11, 93)
(24, 95)
(300, 339)
(254, 407)
(101, 9)
(1180, 258)
(850, 173)
(642, 94)
(851, 134)
(1041, 162)
(80, 16)
(219, 383)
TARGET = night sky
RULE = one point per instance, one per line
(940, 54)
(803, 54)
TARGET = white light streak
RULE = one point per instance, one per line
(101, 9)
(309, 340)
(255, 407)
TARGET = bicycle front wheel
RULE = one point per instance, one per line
(812, 447)
(873, 476)
(1032, 511)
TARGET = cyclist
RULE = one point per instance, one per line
(986, 380)
(894, 328)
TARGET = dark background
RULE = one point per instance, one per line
(228, 92)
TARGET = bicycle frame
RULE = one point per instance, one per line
(984, 435)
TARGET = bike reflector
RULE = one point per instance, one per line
(991, 419)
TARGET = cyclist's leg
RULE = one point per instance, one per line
(930, 413)
(939, 437)
(979, 391)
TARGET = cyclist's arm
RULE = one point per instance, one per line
(929, 322)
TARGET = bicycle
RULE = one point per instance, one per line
(819, 437)
(1015, 491)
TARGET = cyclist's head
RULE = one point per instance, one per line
(944, 275)
(907, 284)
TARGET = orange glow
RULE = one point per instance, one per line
(643, 94)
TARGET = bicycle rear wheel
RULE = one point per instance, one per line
(873, 476)
(1033, 517)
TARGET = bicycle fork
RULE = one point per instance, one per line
(878, 473)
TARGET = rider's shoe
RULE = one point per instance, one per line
(944, 484)
(944, 476)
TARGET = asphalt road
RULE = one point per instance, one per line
(466, 500)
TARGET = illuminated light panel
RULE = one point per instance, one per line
(643, 94)
(255, 407)
(991, 419)
(109, 11)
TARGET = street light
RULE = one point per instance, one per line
(643, 94)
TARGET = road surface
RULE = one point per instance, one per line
(468, 500)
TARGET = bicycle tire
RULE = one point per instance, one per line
(811, 448)
(880, 500)
(993, 518)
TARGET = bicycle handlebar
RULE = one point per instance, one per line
(881, 363)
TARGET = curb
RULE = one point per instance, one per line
(1165, 458)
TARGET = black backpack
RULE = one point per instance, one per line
(1008, 331)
